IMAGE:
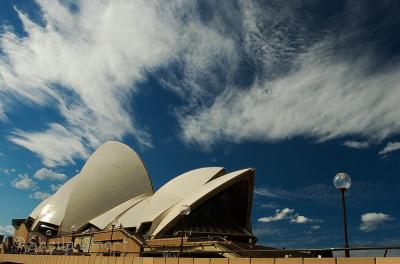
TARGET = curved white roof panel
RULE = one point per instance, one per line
(53, 210)
(36, 212)
(178, 189)
(111, 176)
(133, 216)
(168, 195)
(205, 192)
(114, 185)
(108, 217)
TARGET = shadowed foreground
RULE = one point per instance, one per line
(49, 259)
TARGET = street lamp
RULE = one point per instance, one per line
(342, 182)
(113, 224)
(185, 211)
(48, 234)
(73, 231)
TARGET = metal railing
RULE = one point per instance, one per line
(299, 250)
(247, 251)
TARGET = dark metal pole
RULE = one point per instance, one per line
(47, 243)
(183, 230)
(73, 242)
(346, 242)
(111, 242)
(90, 243)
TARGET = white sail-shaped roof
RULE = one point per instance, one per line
(102, 221)
(36, 212)
(199, 196)
(133, 216)
(53, 210)
(114, 186)
(177, 190)
(113, 175)
(170, 194)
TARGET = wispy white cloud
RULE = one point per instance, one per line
(269, 205)
(286, 214)
(85, 63)
(3, 116)
(299, 87)
(308, 102)
(24, 182)
(320, 192)
(47, 174)
(390, 147)
(326, 194)
(56, 145)
(7, 230)
(280, 214)
(39, 195)
(324, 94)
(315, 227)
(372, 221)
(273, 192)
(301, 219)
(356, 144)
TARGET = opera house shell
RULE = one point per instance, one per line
(114, 189)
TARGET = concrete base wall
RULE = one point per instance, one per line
(49, 259)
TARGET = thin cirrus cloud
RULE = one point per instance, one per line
(85, 63)
(280, 214)
(39, 195)
(7, 230)
(56, 146)
(24, 182)
(308, 101)
(47, 174)
(322, 92)
(319, 192)
(286, 214)
(256, 72)
(356, 144)
(362, 192)
(373, 221)
(300, 219)
(389, 148)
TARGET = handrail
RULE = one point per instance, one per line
(315, 250)
(241, 250)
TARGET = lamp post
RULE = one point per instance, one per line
(113, 224)
(48, 234)
(73, 231)
(342, 182)
(185, 211)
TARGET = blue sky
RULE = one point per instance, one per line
(299, 90)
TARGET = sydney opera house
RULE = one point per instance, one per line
(112, 201)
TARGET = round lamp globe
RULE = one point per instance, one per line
(342, 181)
